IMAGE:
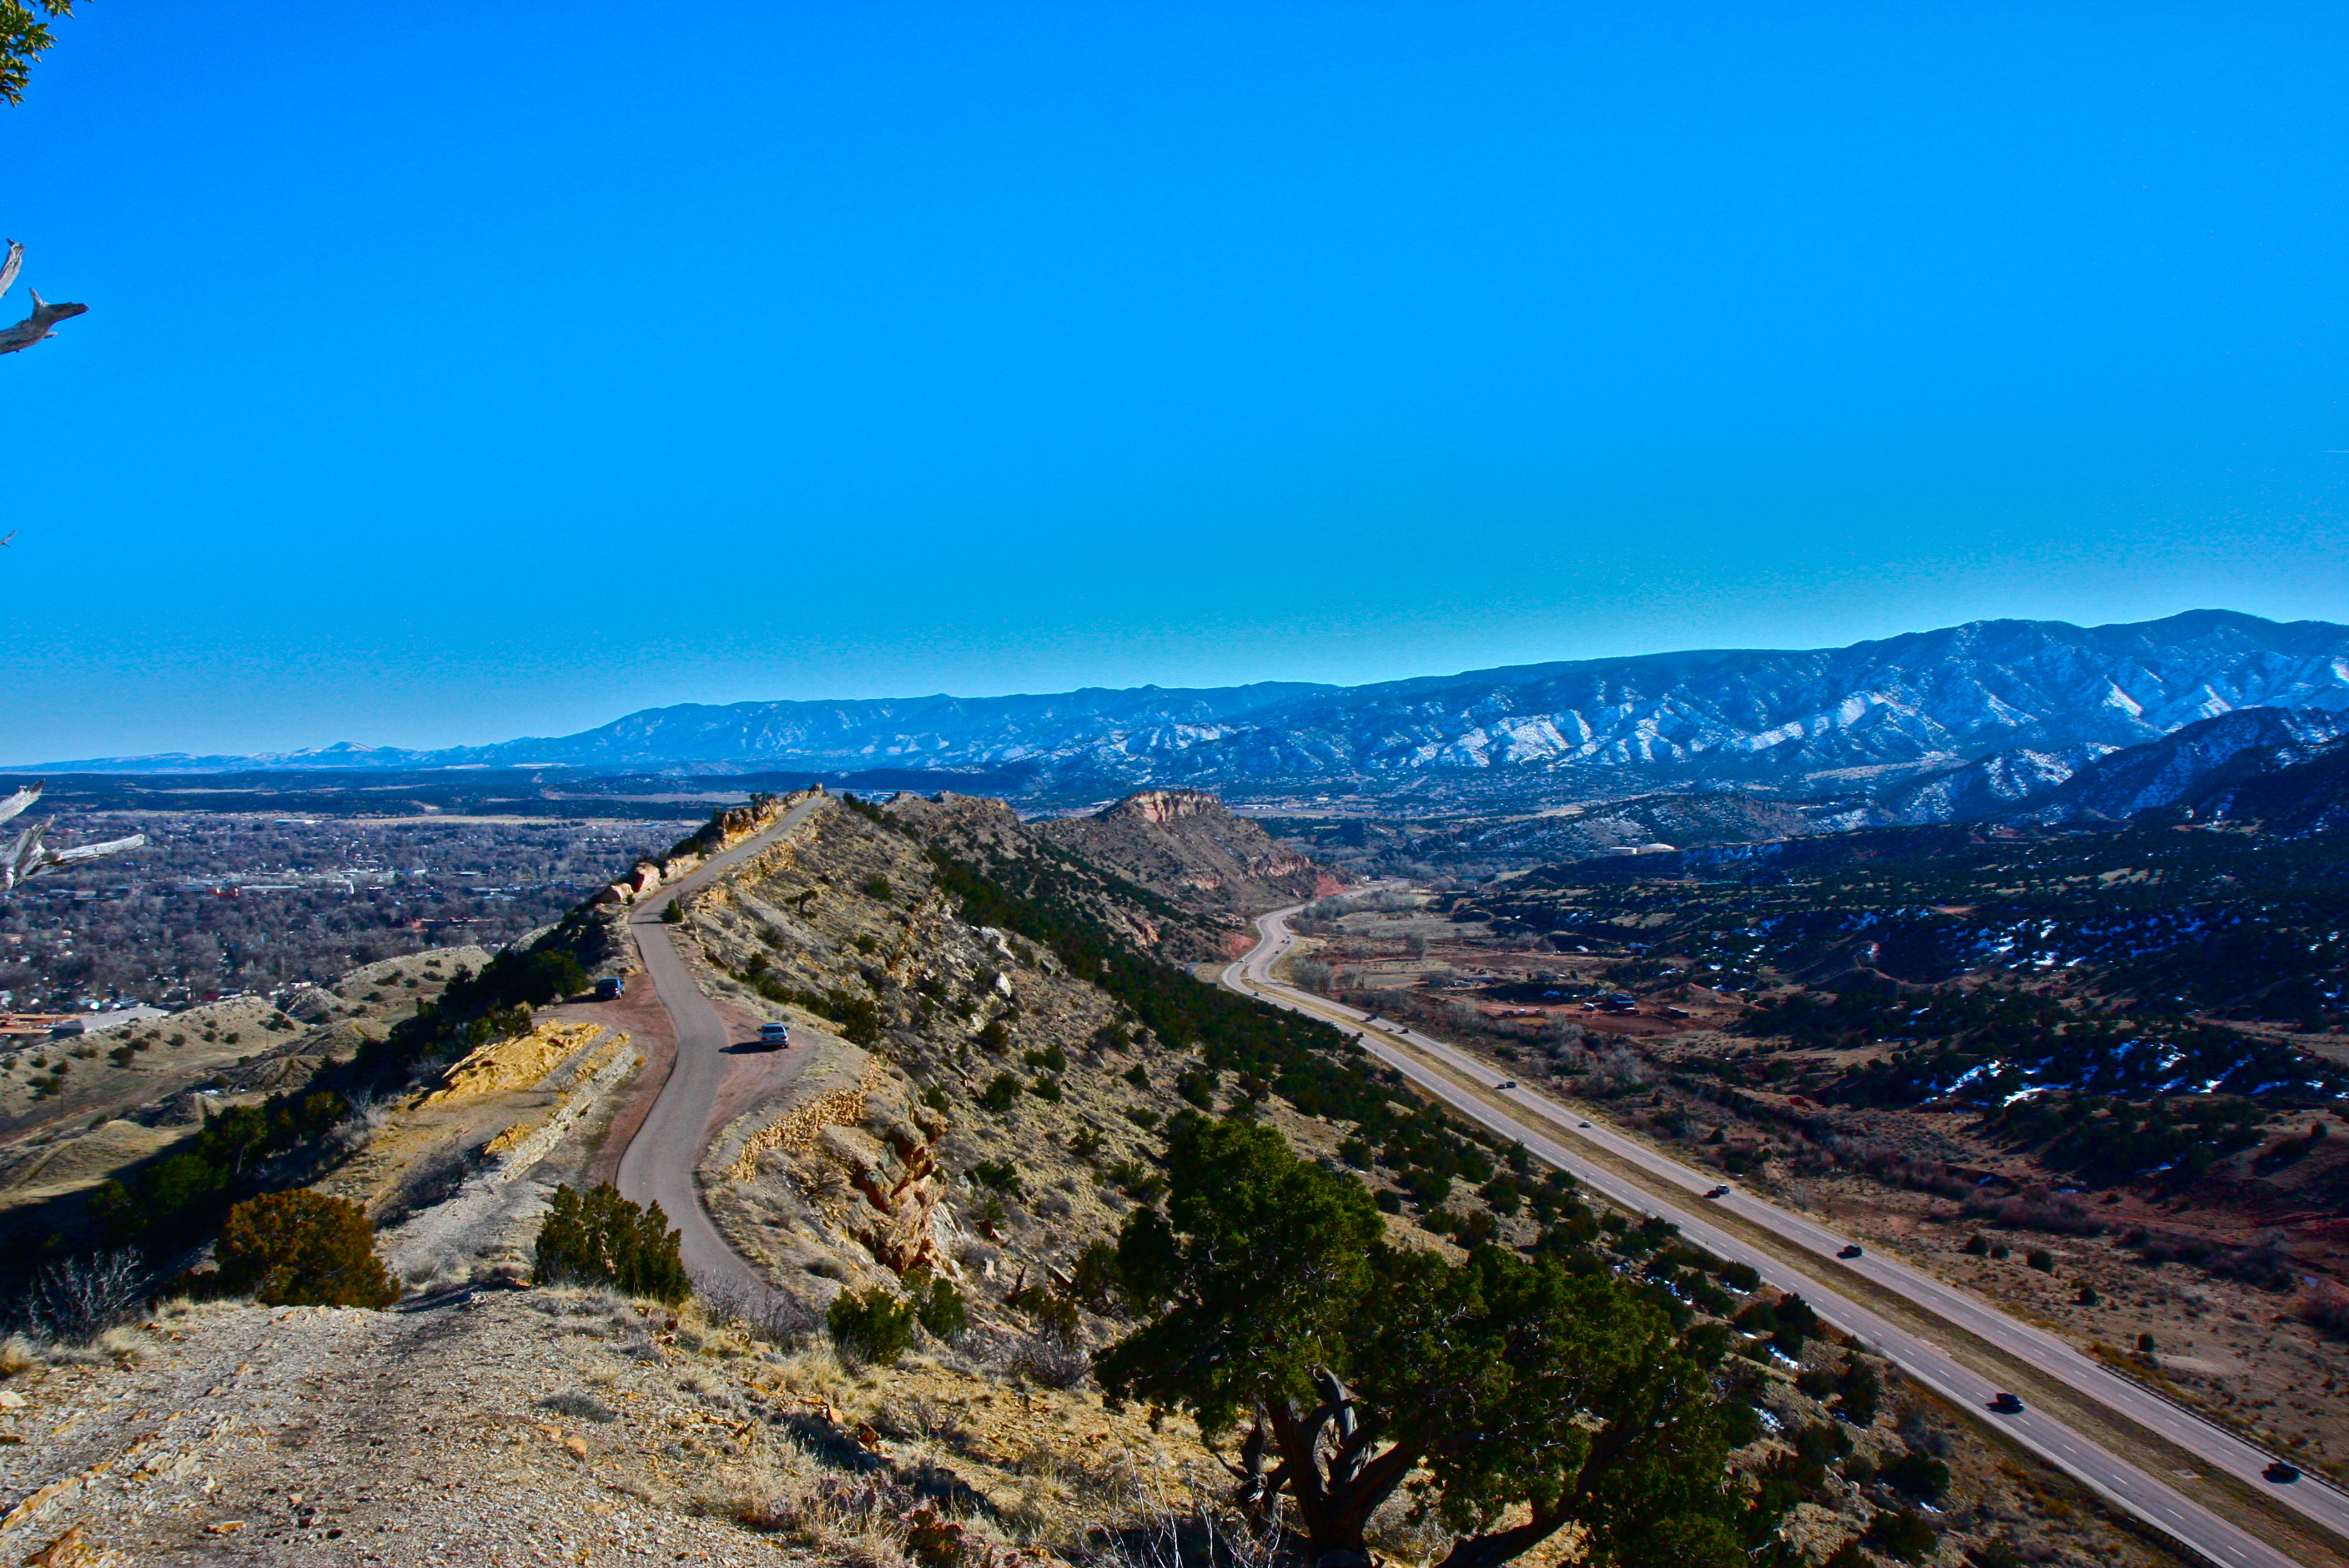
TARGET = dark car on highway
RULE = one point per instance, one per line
(2006, 1404)
(2280, 1473)
(1848, 1250)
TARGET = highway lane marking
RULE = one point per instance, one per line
(2045, 1353)
(2122, 1483)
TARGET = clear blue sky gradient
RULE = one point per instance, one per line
(460, 373)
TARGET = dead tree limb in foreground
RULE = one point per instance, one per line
(28, 857)
(45, 316)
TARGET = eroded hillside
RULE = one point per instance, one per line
(989, 1036)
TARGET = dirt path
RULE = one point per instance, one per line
(313, 1435)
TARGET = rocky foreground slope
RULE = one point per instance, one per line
(987, 1041)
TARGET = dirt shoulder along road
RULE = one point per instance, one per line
(659, 1165)
(2094, 1425)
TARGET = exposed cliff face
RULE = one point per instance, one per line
(887, 1152)
(1187, 846)
(840, 1179)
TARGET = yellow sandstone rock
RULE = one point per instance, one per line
(517, 1063)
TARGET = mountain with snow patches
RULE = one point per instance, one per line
(2023, 704)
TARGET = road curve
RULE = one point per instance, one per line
(658, 1165)
(1551, 1131)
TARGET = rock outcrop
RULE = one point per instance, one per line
(1186, 845)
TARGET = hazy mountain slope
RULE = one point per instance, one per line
(2306, 796)
(2180, 768)
(1909, 703)
(1987, 787)
(1682, 820)
(1185, 845)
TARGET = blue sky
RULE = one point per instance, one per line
(460, 373)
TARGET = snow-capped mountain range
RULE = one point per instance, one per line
(2014, 707)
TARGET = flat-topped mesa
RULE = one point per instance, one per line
(1164, 806)
(1186, 845)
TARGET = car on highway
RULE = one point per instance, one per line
(1506, 1083)
(2281, 1472)
(2006, 1404)
(1582, 1124)
(775, 1036)
(1717, 1192)
(611, 988)
(1848, 1250)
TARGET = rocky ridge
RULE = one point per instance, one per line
(1817, 717)
(1187, 846)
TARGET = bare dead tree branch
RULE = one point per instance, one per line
(46, 316)
(28, 857)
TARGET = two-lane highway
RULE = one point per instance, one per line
(660, 1159)
(1595, 1155)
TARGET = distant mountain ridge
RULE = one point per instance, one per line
(2049, 695)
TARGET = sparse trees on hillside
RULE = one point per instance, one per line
(1530, 1398)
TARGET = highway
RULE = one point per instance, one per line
(1595, 1154)
(659, 1162)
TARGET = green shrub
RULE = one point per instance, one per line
(1055, 1315)
(1046, 1089)
(1051, 1059)
(672, 914)
(937, 1305)
(1904, 1535)
(1858, 1393)
(1916, 1476)
(876, 1326)
(997, 1176)
(877, 886)
(598, 1237)
(2041, 1259)
(302, 1249)
(1003, 1094)
(1093, 1278)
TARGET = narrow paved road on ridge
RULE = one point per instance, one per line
(1743, 1228)
(660, 1159)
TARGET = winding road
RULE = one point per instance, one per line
(2256, 1529)
(659, 1163)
